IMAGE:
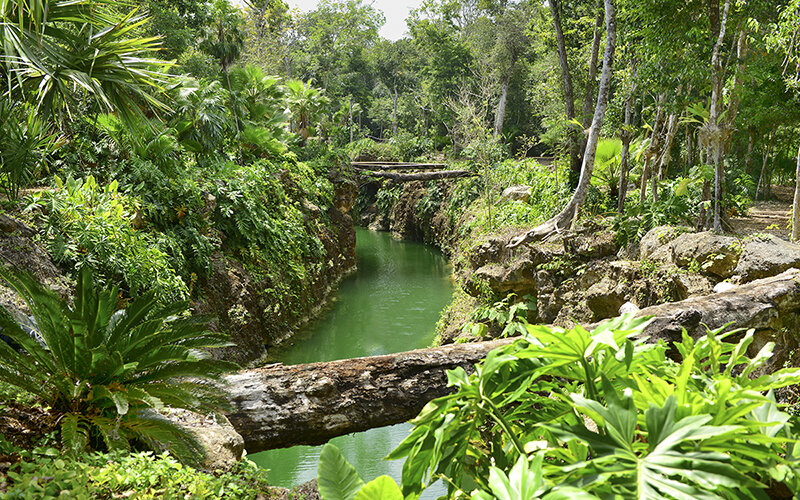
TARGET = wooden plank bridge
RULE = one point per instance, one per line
(408, 171)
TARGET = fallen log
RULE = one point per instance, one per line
(278, 406)
(422, 176)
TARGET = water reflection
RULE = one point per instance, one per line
(391, 305)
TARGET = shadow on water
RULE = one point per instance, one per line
(390, 305)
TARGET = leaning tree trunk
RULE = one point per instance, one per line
(588, 98)
(569, 96)
(563, 220)
(796, 203)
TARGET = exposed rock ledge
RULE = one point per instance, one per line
(279, 406)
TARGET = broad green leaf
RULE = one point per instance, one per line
(336, 479)
(380, 488)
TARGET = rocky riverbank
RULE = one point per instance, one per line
(581, 276)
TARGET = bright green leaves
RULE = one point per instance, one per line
(612, 416)
(338, 480)
(664, 458)
(62, 51)
(525, 481)
(380, 488)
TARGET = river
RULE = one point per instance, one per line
(390, 305)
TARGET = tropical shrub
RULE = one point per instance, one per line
(115, 474)
(505, 317)
(611, 416)
(368, 149)
(25, 143)
(92, 225)
(546, 197)
(106, 371)
(678, 204)
(606, 165)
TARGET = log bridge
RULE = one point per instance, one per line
(433, 171)
(279, 406)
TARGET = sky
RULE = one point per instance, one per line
(396, 12)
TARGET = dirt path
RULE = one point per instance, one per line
(770, 216)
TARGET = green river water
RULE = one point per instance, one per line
(390, 305)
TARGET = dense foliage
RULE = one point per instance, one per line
(152, 145)
(105, 371)
(143, 475)
(610, 415)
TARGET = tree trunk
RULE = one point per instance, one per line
(235, 114)
(351, 119)
(651, 149)
(796, 201)
(564, 219)
(569, 96)
(278, 405)
(689, 150)
(760, 187)
(500, 115)
(588, 98)
(666, 155)
(713, 119)
(749, 155)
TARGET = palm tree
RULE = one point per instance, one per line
(305, 101)
(225, 41)
(55, 52)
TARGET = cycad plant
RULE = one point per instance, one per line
(106, 371)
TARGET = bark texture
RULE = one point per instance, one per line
(626, 136)
(569, 94)
(278, 406)
(500, 115)
(715, 132)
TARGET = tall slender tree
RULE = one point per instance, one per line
(563, 220)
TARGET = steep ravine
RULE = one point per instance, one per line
(233, 295)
